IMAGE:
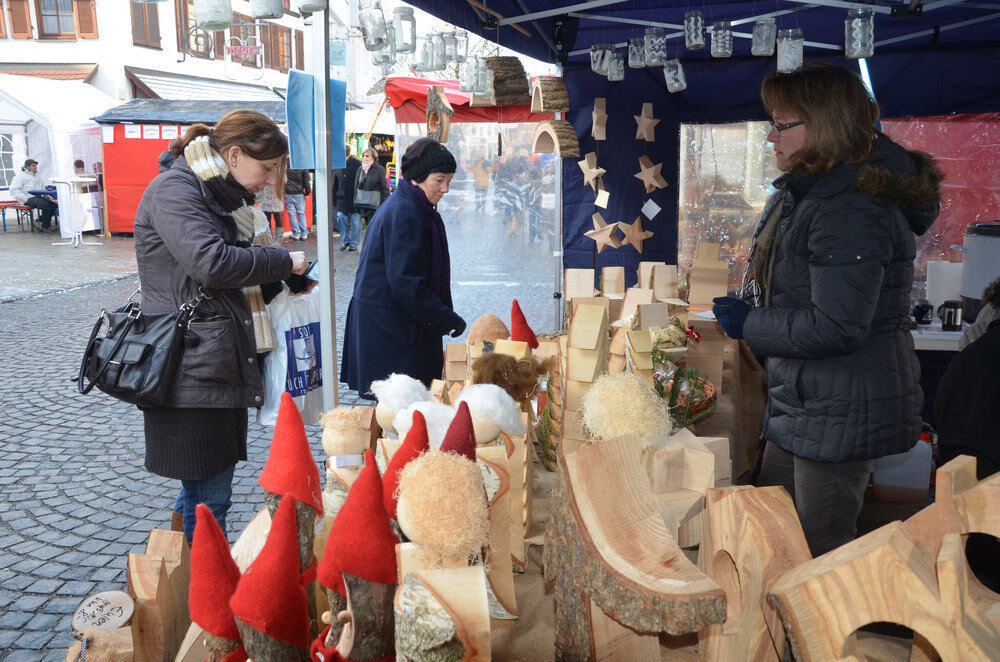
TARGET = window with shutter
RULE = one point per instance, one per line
(266, 31)
(145, 24)
(55, 19)
(86, 18)
(284, 49)
(300, 51)
(219, 44)
(196, 42)
(3, 27)
(20, 19)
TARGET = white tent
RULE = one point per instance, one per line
(54, 116)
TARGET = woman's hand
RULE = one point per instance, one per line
(299, 263)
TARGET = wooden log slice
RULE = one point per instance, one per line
(549, 95)
(555, 136)
(425, 631)
(372, 618)
(262, 648)
(338, 603)
(510, 84)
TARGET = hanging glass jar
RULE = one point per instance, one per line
(424, 57)
(461, 45)
(859, 34)
(213, 15)
(449, 45)
(467, 76)
(694, 30)
(267, 8)
(386, 57)
(373, 25)
(790, 45)
(405, 27)
(636, 53)
(654, 47)
(440, 61)
(616, 67)
(482, 84)
(599, 54)
(312, 5)
(762, 40)
(722, 39)
(673, 72)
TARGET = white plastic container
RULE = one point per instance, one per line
(905, 477)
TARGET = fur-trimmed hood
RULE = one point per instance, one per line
(910, 179)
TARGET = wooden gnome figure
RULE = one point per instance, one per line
(416, 442)
(291, 470)
(519, 329)
(214, 577)
(359, 563)
(269, 603)
(345, 438)
(492, 411)
(395, 393)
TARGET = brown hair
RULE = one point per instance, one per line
(256, 134)
(372, 150)
(835, 106)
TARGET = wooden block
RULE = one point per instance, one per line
(499, 574)
(555, 136)
(640, 341)
(154, 633)
(370, 423)
(455, 371)
(571, 445)
(456, 351)
(706, 281)
(689, 533)
(613, 280)
(664, 281)
(547, 348)
(617, 364)
(548, 95)
(439, 391)
(475, 351)
(706, 355)
(585, 364)
(520, 467)
(615, 303)
(645, 375)
(454, 390)
(383, 455)
(589, 327)
(579, 283)
(653, 314)
(516, 348)
(574, 394)
(456, 596)
(173, 548)
(683, 469)
(118, 640)
(707, 251)
(679, 506)
(645, 273)
(749, 538)
(635, 296)
(719, 447)
(573, 425)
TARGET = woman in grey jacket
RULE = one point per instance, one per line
(826, 295)
(197, 231)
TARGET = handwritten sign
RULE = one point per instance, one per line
(107, 610)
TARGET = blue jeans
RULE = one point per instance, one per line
(214, 492)
(295, 205)
(350, 233)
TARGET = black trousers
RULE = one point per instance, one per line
(46, 209)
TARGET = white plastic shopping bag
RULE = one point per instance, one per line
(295, 365)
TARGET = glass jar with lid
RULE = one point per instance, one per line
(461, 45)
(762, 39)
(655, 47)
(211, 15)
(722, 39)
(599, 54)
(440, 61)
(372, 25)
(859, 34)
(267, 8)
(449, 45)
(636, 53)
(694, 30)
(405, 27)
(616, 67)
(790, 44)
(673, 72)
(386, 57)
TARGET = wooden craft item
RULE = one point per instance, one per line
(717, 446)
(156, 635)
(603, 234)
(443, 614)
(646, 124)
(650, 175)
(591, 173)
(606, 542)
(706, 281)
(584, 365)
(653, 315)
(519, 349)
(101, 643)
(749, 538)
(521, 469)
(370, 423)
(492, 462)
(549, 95)
(576, 302)
(706, 355)
(612, 280)
(439, 114)
(439, 391)
(578, 283)
(588, 328)
(372, 620)
(635, 297)
(707, 251)
(107, 610)
(885, 576)
(599, 119)
(664, 283)
(555, 136)
(634, 234)
(645, 273)
(305, 527)
(510, 83)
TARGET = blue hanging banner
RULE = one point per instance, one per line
(299, 116)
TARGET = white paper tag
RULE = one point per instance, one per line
(650, 209)
(340, 461)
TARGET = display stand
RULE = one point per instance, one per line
(75, 206)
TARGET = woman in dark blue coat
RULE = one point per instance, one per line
(401, 304)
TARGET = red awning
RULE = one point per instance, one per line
(408, 96)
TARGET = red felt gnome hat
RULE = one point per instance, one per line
(214, 576)
(461, 437)
(361, 540)
(270, 597)
(416, 442)
(519, 329)
(290, 467)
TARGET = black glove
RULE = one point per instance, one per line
(731, 313)
(453, 325)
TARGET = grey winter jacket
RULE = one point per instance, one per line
(843, 378)
(183, 240)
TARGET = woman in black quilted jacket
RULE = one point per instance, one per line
(826, 295)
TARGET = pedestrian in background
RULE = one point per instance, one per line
(297, 187)
(29, 180)
(370, 177)
(198, 233)
(166, 158)
(342, 191)
(272, 206)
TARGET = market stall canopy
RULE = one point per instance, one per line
(408, 97)
(173, 111)
(165, 85)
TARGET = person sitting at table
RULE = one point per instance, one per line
(28, 180)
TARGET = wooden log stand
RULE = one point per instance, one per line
(549, 95)
(555, 136)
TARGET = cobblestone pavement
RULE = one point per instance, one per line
(76, 497)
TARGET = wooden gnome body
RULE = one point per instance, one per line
(214, 577)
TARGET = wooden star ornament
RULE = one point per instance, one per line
(591, 173)
(603, 233)
(650, 174)
(599, 119)
(646, 124)
(634, 234)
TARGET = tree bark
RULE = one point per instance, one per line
(305, 525)
(510, 84)
(262, 648)
(373, 618)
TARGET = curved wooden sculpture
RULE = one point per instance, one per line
(492, 462)
(607, 543)
(549, 95)
(439, 114)
(555, 136)
(510, 84)
(750, 537)
(885, 576)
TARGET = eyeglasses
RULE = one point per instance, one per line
(780, 128)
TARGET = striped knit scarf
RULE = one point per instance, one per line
(251, 224)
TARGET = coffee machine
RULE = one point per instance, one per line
(980, 265)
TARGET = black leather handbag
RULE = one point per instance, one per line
(136, 360)
(367, 199)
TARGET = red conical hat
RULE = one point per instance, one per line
(519, 329)
(214, 576)
(361, 540)
(416, 442)
(290, 467)
(460, 437)
(269, 597)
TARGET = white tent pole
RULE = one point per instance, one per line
(593, 4)
(943, 28)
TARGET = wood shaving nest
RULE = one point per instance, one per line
(617, 405)
(342, 418)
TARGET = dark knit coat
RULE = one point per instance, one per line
(843, 378)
